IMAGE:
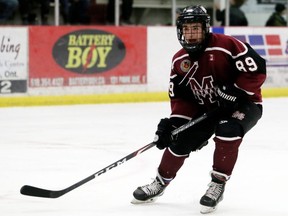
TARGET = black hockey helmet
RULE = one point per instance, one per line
(192, 14)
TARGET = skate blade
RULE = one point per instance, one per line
(207, 209)
(136, 202)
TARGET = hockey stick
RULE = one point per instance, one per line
(39, 192)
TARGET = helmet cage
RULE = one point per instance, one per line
(193, 14)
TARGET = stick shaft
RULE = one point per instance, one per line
(194, 121)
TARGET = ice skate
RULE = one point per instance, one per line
(150, 192)
(214, 193)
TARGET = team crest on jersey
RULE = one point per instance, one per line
(185, 65)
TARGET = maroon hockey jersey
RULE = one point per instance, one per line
(226, 61)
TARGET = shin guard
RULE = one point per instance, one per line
(225, 155)
(170, 164)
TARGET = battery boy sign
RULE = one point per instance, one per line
(76, 56)
(89, 51)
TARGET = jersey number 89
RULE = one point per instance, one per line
(247, 65)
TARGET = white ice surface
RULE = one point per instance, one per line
(55, 147)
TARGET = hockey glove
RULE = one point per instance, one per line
(229, 96)
(163, 137)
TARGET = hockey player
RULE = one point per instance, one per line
(211, 70)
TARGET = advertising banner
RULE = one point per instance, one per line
(69, 56)
(271, 45)
(13, 60)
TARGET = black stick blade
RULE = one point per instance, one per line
(39, 192)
